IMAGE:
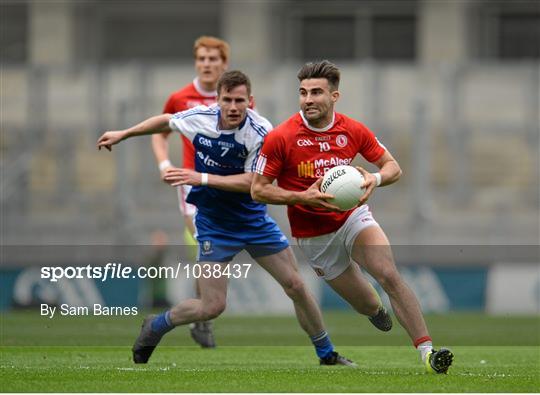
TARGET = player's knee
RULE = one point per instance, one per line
(390, 281)
(295, 288)
(212, 310)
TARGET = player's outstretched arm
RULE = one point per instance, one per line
(156, 124)
(264, 191)
(234, 183)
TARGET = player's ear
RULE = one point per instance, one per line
(335, 96)
(251, 102)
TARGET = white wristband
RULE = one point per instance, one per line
(204, 178)
(164, 164)
(378, 177)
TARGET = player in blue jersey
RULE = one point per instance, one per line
(227, 138)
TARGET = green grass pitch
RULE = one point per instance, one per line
(265, 354)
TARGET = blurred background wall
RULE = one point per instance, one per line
(451, 87)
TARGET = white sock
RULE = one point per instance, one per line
(424, 348)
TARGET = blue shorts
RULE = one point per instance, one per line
(220, 241)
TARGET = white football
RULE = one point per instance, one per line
(345, 183)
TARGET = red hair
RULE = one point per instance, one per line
(212, 42)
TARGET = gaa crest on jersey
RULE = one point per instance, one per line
(341, 140)
(304, 142)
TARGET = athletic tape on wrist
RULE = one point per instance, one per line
(164, 164)
(204, 178)
(378, 177)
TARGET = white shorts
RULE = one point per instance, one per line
(185, 208)
(330, 254)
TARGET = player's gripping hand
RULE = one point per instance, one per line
(163, 173)
(370, 182)
(176, 176)
(108, 139)
(314, 197)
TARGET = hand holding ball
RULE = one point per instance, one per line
(345, 183)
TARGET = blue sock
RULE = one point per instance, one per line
(323, 345)
(162, 323)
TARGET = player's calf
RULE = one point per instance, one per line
(209, 311)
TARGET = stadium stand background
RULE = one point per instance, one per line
(451, 87)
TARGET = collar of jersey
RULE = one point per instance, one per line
(201, 90)
(228, 131)
(325, 129)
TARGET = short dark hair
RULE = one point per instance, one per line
(231, 79)
(322, 69)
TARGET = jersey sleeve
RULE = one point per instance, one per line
(251, 160)
(370, 147)
(188, 123)
(270, 160)
(260, 131)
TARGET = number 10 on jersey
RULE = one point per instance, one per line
(324, 146)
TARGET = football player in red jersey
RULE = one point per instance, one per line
(211, 61)
(297, 153)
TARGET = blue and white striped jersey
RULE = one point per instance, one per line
(223, 152)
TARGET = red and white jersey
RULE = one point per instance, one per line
(297, 154)
(190, 96)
